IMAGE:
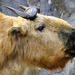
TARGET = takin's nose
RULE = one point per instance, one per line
(71, 44)
(72, 36)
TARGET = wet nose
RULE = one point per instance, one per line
(72, 36)
(71, 41)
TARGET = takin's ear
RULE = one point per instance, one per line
(17, 30)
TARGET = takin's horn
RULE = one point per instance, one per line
(29, 13)
(27, 8)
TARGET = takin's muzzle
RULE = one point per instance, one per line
(67, 36)
(71, 45)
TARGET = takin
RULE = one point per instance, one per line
(34, 40)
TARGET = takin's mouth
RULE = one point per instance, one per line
(70, 52)
(71, 47)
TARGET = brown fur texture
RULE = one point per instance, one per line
(23, 45)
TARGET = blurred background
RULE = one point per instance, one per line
(64, 9)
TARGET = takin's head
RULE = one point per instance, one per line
(48, 42)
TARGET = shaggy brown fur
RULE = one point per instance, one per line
(22, 44)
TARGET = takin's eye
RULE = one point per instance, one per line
(40, 28)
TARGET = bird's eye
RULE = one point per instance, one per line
(40, 28)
